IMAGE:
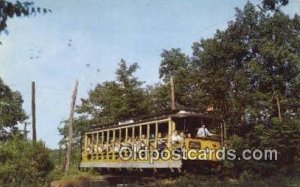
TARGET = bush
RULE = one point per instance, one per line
(24, 163)
(284, 136)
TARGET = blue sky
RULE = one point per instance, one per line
(54, 49)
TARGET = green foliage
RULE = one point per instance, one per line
(23, 163)
(249, 73)
(110, 102)
(173, 61)
(80, 125)
(186, 80)
(159, 98)
(11, 111)
(17, 9)
(57, 157)
(59, 174)
(283, 136)
(246, 67)
(274, 5)
(245, 180)
(195, 180)
(117, 100)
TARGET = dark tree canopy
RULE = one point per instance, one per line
(11, 111)
(17, 9)
(274, 5)
(249, 73)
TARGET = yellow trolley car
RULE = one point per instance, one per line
(166, 141)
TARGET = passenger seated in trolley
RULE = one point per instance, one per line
(143, 145)
(116, 146)
(182, 136)
(161, 142)
(88, 149)
(95, 147)
(203, 132)
(105, 147)
(127, 142)
(152, 141)
(89, 146)
(100, 148)
(143, 138)
(142, 142)
(136, 143)
(177, 139)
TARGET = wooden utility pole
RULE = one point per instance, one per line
(70, 125)
(173, 107)
(33, 111)
(59, 160)
(25, 130)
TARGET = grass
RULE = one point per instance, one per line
(243, 181)
(76, 178)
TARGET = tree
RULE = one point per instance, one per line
(274, 5)
(70, 128)
(159, 98)
(23, 163)
(187, 91)
(247, 67)
(80, 125)
(117, 100)
(11, 111)
(282, 136)
(18, 9)
(251, 72)
(173, 61)
(109, 102)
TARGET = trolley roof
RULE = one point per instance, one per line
(174, 114)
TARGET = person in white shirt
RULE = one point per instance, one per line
(161, 142)
(176, 138)
(203, 132)
(182, 136)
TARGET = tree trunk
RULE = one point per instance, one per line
(70, 125)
